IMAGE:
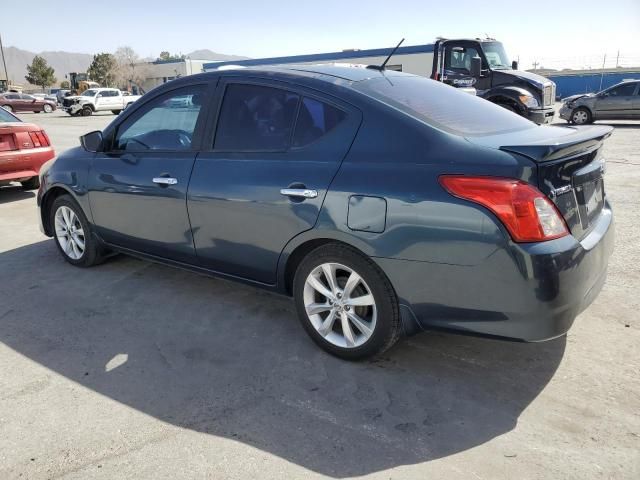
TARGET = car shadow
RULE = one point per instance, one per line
(229, 360)
(13, 193)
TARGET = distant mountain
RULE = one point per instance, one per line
(209, 55)
(65, 62)
(62, 62)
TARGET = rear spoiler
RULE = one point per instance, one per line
(584, 140)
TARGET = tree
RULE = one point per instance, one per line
(166, 56)
(131, 70)
(103, 69)
(40, 73)
(65, 85)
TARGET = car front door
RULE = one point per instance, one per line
(264, 177)
(138, 186)
(635, 108)
(617, 102)
(31, 103)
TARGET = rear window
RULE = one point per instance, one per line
(442, 106)
(6, 116)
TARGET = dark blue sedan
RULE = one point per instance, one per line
(384, 203)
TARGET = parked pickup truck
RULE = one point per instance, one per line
(98, 100)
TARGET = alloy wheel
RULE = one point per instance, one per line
(69, 233)
(340, 305)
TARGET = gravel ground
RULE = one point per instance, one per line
(132, 370)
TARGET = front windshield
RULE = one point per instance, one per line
(496, 56)
(89, 93)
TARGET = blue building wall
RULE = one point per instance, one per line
(567, 85)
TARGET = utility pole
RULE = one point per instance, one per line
(617, 58)
(604, 60)
(535, 64)
(4, 62)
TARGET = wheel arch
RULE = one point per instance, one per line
(47, 200)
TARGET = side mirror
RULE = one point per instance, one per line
(92, 141)
(514, 65)
(476, 67)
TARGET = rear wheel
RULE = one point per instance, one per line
(72, 233)
(32, 184)
(346, 303)
(8, 108)
(581, 116)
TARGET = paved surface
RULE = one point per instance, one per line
(134, 370)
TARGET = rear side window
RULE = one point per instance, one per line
(256, 118)
(165, 123)
(315, 119)
(442, 106)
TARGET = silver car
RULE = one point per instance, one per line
(619, 102)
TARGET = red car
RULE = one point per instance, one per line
(21, 102)
(24, 148)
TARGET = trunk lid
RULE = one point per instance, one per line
(570, 167)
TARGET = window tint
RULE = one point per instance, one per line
(12, 96)
(256, 118)
(623, 90)
(443, 106)
(314, 120)
(166, 123)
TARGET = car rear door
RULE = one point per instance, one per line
(616, 102)
(264, 177)
(635, 109)
(138, 186)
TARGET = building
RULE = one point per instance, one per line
(417, 59)
(162, 71)
(573, 82)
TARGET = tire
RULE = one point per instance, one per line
(116, 112)
(92, 252)
(32, 184)
(36, 111)
(86, 111)
(581, 116)
(47, 108)
(376, 310)
(8, 108)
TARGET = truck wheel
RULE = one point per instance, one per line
(116, 112)
(581, 116)
(32, 184)
(86, 111)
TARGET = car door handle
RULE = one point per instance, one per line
(299, 192)
(165, 180)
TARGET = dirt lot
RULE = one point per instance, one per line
(134, 370)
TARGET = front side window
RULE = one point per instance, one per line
(496, 56)
(27, 97)
(623, 90)
(89, 93)
(165, 123)
(256, 118)
(459, 58)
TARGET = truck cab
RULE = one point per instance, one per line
(483, 64)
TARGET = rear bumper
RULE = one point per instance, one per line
(23, 164)
(529, 292)
(541, 116)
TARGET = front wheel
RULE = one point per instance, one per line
(346, 303)
(86, 111)
(581, 116)
(47, 108)
(72, 233)
(116, 112)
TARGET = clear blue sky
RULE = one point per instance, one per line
(556, 33)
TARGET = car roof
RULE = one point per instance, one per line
(330, 71)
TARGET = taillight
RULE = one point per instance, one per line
(39, 139)
(525, 211)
